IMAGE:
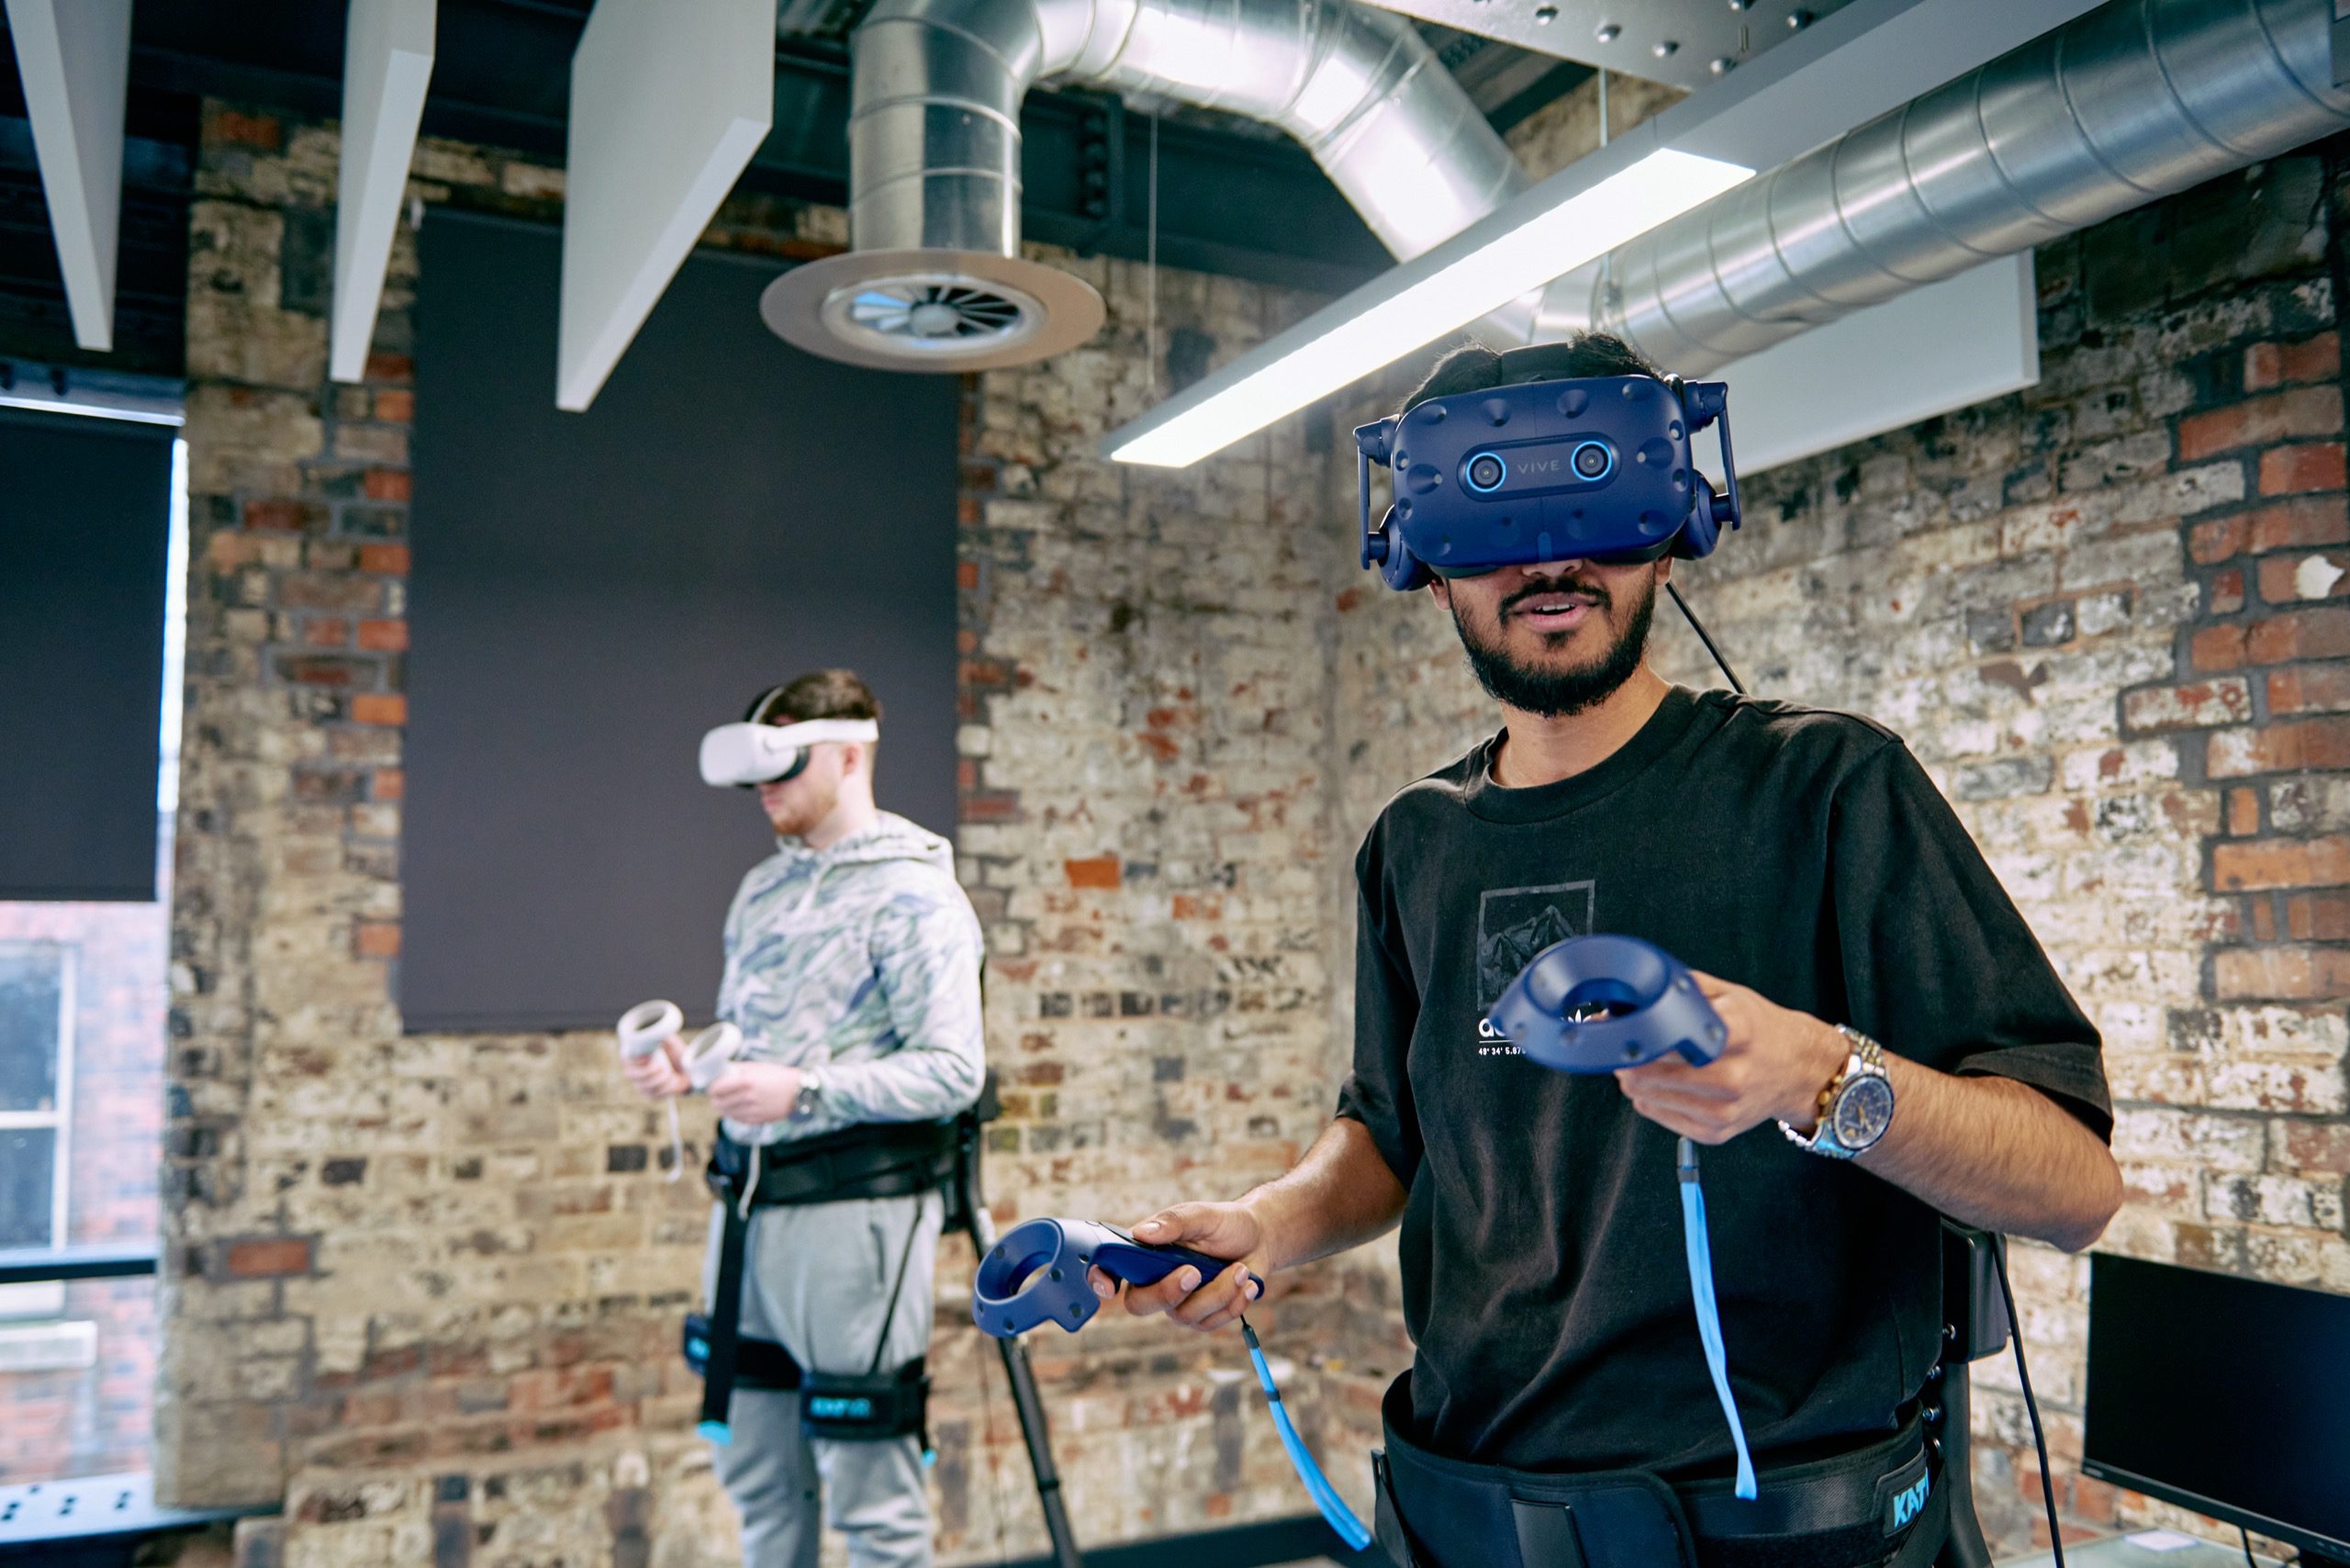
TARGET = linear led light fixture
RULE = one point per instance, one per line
(1842, 71)
(1458, 281)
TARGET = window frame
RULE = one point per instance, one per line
(60, 1118)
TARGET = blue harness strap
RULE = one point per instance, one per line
(1710, 1313)
(1317, 1485)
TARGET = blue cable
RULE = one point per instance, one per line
(1317, 1485)
(1710, 1312)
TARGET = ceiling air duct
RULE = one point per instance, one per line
(2136, 100)
(934, 279)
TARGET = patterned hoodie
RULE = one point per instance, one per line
(859, 964)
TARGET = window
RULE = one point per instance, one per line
(82, 1010)
(36, 1085)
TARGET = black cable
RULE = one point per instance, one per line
(2245, 1536)
(1690, 616)
(2030, 1406)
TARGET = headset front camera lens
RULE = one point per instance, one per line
(1486, 472)
(1591, 459)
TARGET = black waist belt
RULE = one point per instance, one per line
(884, 1159)
(1853, 1509)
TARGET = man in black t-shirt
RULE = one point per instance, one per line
(1802, 863)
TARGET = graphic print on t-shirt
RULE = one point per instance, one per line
(1515, 924)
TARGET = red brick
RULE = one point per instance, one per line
(2279, 748)
(2256, 421)
(385, 636)
(277, 514)
(377, 938)
(393, 484)
(2226, 593)
(263, 132)
(389, 560)
(326, 632)
(379, 707)
(327, 669)
(2318, 917)
(2243, 811)
(2264, 919)
(1188, 907)
(2309, 688)
(2275, 364)
(395, 408)
(2201, 705)
(2280, 863)
(2280, 974)
(2286, 470)
(2294, 634)
(989, 806)
(391, 783)
(967, 575)
(1100, 872)
(2316, 1147)
(2217, 647)
(262, 1257)
(2298, 524)
(390, 367)
(2216, 540)
(2282, 582)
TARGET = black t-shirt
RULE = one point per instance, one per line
(1801, 853)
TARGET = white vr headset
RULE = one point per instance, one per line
(749, 753)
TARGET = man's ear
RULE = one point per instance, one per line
(1441, 590)
(1663, 570)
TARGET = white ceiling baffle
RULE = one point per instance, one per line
(75, 58)
(386, 65)
(669, 102)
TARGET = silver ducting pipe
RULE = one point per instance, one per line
(2136, 100)
(934, 278)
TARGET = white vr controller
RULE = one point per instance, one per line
(645, 1025)
(708, 1055)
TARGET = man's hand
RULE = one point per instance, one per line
(757, 1093)
(656, 1075)
(1220, 1230)
(1773, 1068)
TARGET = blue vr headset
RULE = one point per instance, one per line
(1593, 469)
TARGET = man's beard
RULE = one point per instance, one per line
(1552, 693)
(804, 816)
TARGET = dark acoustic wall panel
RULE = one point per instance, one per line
(85, 517)
(592, 591)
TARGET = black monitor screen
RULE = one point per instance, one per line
(2228, 1395)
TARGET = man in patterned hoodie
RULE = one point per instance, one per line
(853, 971)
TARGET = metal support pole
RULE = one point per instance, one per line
(974, 1219)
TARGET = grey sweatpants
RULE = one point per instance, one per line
(816, 1278)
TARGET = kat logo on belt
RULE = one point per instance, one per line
(1906, 1504)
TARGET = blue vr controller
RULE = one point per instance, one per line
(1593, 1004)
(1590, 469)
(1035, 1273)
(1598, 1003)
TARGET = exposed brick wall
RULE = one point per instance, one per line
(1146, 703)
(2099, 611)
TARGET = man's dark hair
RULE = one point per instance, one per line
(1477, 368)
(819, 694)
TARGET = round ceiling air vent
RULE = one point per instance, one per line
(946, 311)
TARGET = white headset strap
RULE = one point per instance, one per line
(816, 732)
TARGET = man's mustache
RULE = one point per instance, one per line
(1576, 586)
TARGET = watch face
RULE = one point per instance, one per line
(1861, 1111)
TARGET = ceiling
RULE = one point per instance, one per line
(1233, 197)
